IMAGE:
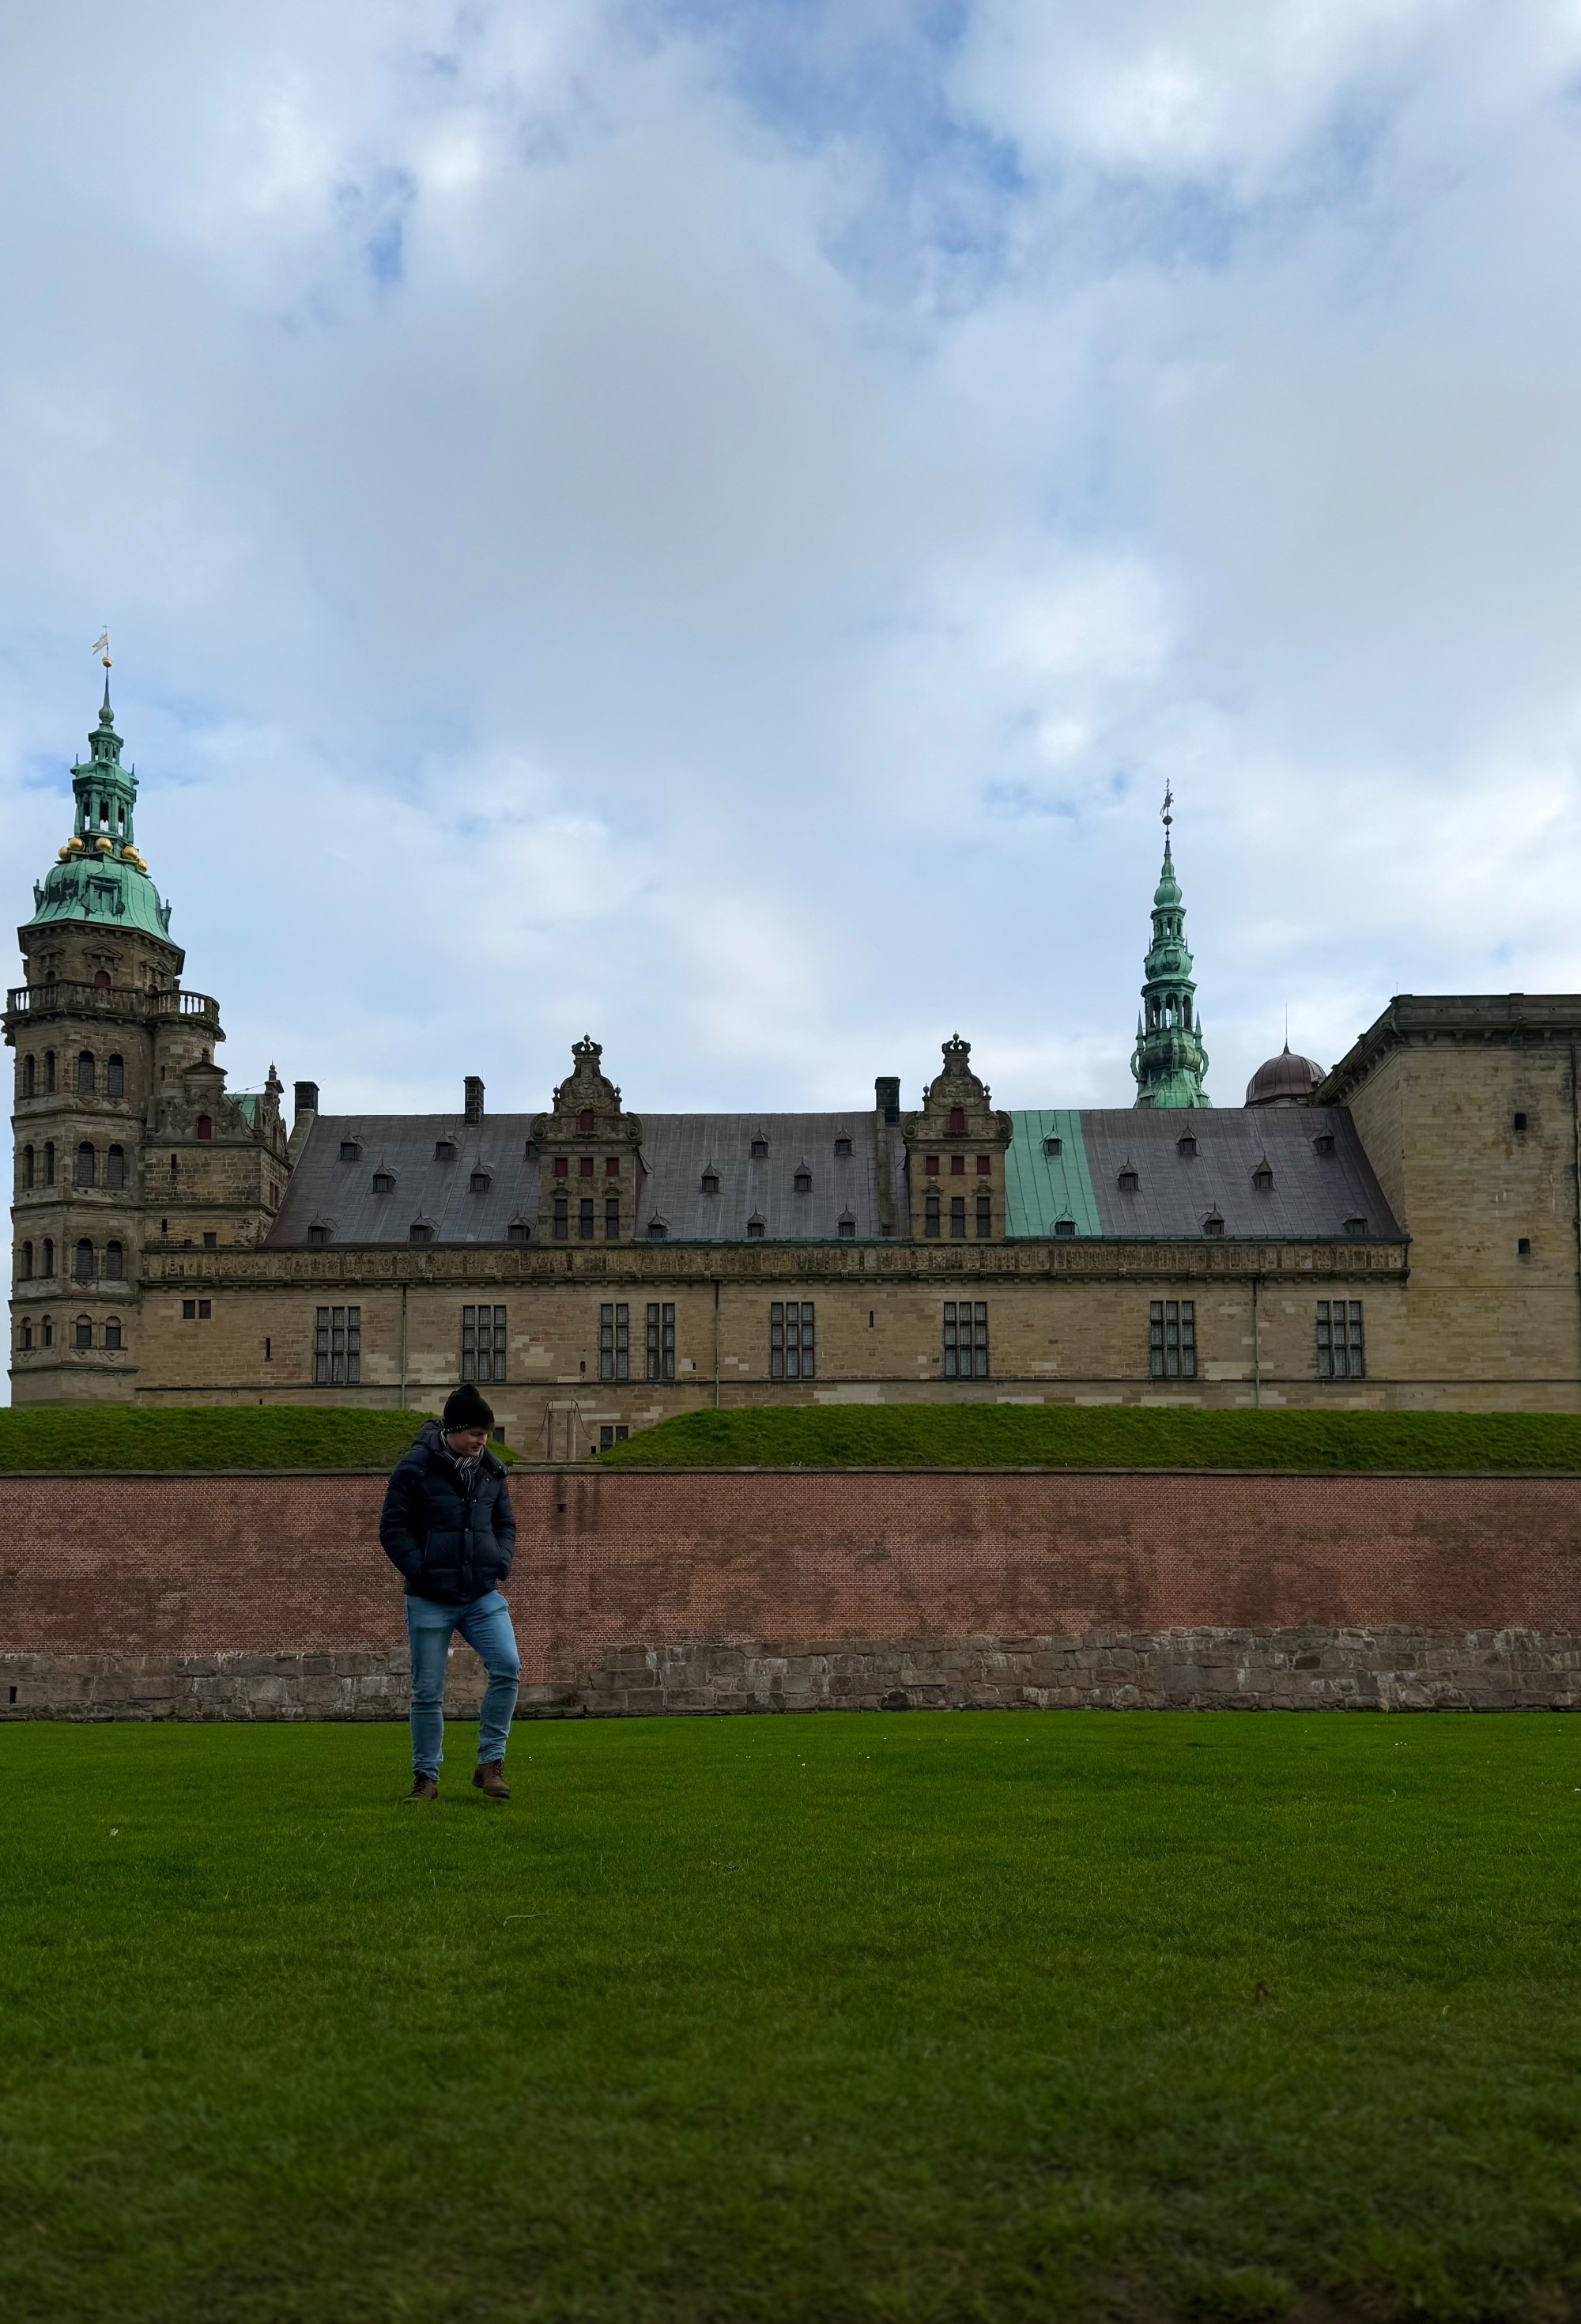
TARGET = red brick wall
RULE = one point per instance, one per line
(288, 1566)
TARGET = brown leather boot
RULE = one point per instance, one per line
(490, 1780)
(423, 1787)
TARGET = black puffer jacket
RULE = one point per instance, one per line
(448, 1545)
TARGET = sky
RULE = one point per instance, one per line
(714, 524)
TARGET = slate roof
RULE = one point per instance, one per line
(678, 1147)
(1313, 1193)
(339, 1195)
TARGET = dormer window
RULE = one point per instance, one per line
(803, 1181)
(1323, 1143)
(754, 1230)
(519, 1231)
(1052, 1146)
(846, 1227)
(317, 1234)
(1262, 1178)
(1064, 1228)
(841, 1148)
(761, 1150)
(1356, 1224)
(957, 1121)
(709, 1182)
(350, 1151)
(584, 1123)
(1213, 1224)
(383, 1183)
(1186, 1145)
(480, 1182)
(419, 1230)
(1128, 1182)
(443, 1151)
(657, 1229)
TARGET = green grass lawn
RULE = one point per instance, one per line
(1108, 1436)
(76, 1439)
(767, 2020)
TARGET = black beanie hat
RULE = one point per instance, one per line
(466, 1408)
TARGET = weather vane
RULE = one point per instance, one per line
(1165, 811)
(101, 645)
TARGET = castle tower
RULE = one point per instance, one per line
(112, 1054)
(1169, 1063)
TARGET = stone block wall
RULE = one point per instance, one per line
(268, 1596)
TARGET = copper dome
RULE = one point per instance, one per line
(1284, 1080)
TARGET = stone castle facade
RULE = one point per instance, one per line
(1404, 1230)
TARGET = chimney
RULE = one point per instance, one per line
(474, 1098)
(305, 1115)
(887, 1095)
(307, 1099)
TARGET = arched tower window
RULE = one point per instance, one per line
(101, 980)
(86, 1164)
(30, 1075)
(85, 1074)
(47, 1266)
(50, 1162)
(27, 1165)
(49, 1073)
(115, 1166)
(115, 1262)
(114, 1076)
(25, 1266)
(82, 1266)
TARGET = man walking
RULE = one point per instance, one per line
(448, 1530)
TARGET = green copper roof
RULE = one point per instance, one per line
(100, 875)
(1042, 1188)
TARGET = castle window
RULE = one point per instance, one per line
(841, 1147)
(47, 1262)
(561, 1167)
(803, 1181)
(1523, 1246)
(755, 1229)
(958, 1121)
(1186, 1145)
(1171, 1339)
(585, 1218)
(480, 1182)
(189, 1311)
(27, 1165)
(584, 1123)
(24, 1264)
(1340, 1353)
(421, 1231)
(115, 1262)
(1213, 1224)
(614, 1341)
(82, 1265)
(49, 1073)
(966, 1339)
(932, 1165)
(957, 1216)
(931, 1215)
(205, 1126)
(211, 1241)
(1519, 1121)
(27, 1338)
(1356, 1224)
(611, 1165)
(317, 1234)
(114, 1076)
(1054, 1145)
(337, 1347)
(519, 1231)
(984, 1166)
(82, 1333)
(46, 1333)
(711, 1182)
(612, 1218)
(958, 1166)
(87, 1164)
(1323, 1143)
(561, 1217)
(612, 1433)
(791, 1353)
(761, 1150)
(443, 1151)
(84, 1075)
(584, 1165)
(846, 1227)
(661, 1340)
(30, 1076)
(115, 1166)
(1064, 1228)
(483, 1343)
(1127, 1181)
(657, 1229)
(112, 1333)
(985, 1217)
(383, 1183)
(1262, 1178)
(50, 1162)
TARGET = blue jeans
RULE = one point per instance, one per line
(485, 1624)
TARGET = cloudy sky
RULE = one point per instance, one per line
(713, 523)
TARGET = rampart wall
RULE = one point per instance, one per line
(268, 1596)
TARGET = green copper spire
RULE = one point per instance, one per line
(1168, 1062)
(100, 875)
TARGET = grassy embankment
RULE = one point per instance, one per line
(1180, 2020)
(1107, 1436)
(76, 1440)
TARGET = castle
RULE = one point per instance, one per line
(1403, 1231)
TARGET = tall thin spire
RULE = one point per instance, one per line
(1169, 1062)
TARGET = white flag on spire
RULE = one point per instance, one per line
(101, 644)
